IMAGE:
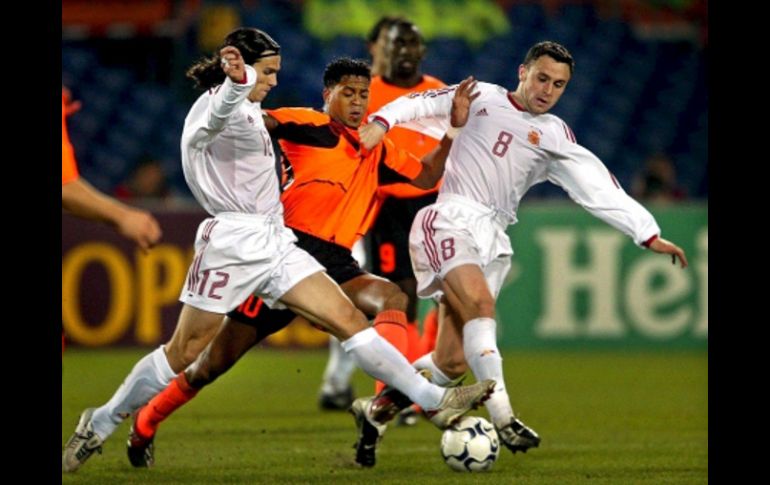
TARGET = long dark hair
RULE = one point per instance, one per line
(253, 44)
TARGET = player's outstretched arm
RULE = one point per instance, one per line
(83, 200)
(660, 245)
(433, 104)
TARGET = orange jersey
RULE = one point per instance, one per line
(330, 186)
(69, 167)
(382, 93)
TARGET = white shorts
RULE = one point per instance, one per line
(456, 231)
(237, 255)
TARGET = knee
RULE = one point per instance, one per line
(452, 366)
(388, 296)
(481, 307)
(396, 300)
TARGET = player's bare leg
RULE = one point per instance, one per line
(470, 299)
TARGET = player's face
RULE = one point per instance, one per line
(267, 77)
(404, 50)
(377, 51)
(542, 83)
(348, 100)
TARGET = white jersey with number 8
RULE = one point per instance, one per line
(503, 150)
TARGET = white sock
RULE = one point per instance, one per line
(378, 358)
(437, 375)
(148, 377)
(483, 357)
(339, 369)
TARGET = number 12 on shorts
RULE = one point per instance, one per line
(219, 280)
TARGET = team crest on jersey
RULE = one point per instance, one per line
(482, 112)
(250, 119)
(534, 137)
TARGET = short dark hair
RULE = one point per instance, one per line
(407, 25)
(345, 66)
(384, 22)
(253, 45)
(556, 51)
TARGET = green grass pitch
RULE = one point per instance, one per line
(605, 418)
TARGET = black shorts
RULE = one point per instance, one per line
(338, 260)
(340, 266)
(267, 321)
(389, 237)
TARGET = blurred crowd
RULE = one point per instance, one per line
(634, 101)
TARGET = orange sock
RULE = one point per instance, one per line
(391, 325)
(429, 332)
(162, 405)
(413, 339)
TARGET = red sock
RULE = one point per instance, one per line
(162, 405)
(413, 339)
(391, 325)
(429, 332)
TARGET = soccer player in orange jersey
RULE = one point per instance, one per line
(398, 49)
(329, 200)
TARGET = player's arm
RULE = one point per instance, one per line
(239, 80)
(437, 104)
(270, 122)
(433, 163)
(83, 200)
(589, 183)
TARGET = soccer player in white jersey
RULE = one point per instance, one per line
(245, 248)
(459, 247)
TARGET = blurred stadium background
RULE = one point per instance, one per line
(638, 99)
(639, 88)
(631, 410)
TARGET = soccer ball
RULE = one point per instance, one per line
(471, 445)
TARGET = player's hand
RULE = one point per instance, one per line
(371, 134)
(461, 103)
(232, 63)
(141, 227)
(660, 245)
(70, 106)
